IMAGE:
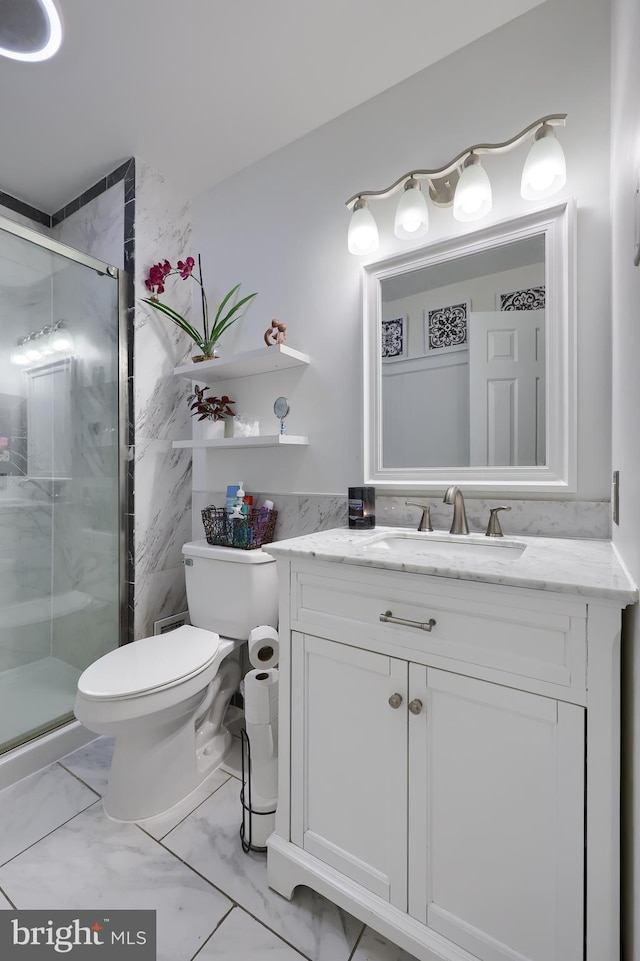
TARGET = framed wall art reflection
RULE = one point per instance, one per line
(445, 328)
(394, 338)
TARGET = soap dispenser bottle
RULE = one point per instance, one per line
(239, 519)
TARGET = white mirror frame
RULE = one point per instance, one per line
(559, 473)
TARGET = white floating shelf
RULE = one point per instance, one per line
(264, 360)
(265, 440)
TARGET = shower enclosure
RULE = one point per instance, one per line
(62, 531)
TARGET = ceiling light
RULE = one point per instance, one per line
(463, 183)
(363, 232)
(412, 214)
(30, 30)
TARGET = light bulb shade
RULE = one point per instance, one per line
(412, 213)
(19, 357)
(363, 232)
(545, 169)
(472, 198)
(45, 344)
(61, 339)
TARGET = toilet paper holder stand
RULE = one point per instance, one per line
(245, 799)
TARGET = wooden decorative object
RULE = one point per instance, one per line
(276, 333)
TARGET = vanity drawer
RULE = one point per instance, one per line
(514, 632)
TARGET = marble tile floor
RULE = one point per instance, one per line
(59, 850)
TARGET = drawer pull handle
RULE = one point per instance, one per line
(395, 700)
(415, 706)
(390, 619)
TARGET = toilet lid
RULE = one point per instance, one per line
(151, 663)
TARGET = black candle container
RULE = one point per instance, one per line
(362, 507)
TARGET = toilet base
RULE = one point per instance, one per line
(152, 770)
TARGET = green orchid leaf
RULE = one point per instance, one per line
(221, 325)
(176, 318)
(224, 303)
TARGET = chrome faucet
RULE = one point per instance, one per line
(454, 496)
(424, 523)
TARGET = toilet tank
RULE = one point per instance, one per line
(230, 590)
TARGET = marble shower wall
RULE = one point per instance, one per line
(87, 522)
(24, 220)
(97, 228)
(78, 516)
(26, 511)
(162, 521)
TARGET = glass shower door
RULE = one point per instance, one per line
(60, 513)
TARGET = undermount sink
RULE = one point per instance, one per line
(417, 544)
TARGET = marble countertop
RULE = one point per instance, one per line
(569, 566)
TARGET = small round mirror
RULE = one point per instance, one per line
(281, 409)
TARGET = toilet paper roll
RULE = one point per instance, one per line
(261, 696)
(263, 743)
(264, 647)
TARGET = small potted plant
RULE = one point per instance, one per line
(229, 311)
(213, 413)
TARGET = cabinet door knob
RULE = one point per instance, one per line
(415, 706)
(395, 700)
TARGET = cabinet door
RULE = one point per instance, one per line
(349, 762)
(496, 818)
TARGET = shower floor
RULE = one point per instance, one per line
(35, 698)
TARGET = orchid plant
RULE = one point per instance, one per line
(227, 313)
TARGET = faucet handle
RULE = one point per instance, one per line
(425, 520)
(493, 527)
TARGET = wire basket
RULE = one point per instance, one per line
(248, 532)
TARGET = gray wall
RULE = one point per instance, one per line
(280, 227)
(625, 169)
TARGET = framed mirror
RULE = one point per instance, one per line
(469, 360)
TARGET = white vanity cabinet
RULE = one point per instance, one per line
(432, 777)
(438, 811)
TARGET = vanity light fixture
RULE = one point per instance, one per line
(30, 30)
(41, 345)
(463, 183)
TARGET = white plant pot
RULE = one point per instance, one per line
(208, 429)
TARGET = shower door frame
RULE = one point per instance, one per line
(125, 479)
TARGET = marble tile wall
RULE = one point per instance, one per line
(162, 518)
(527, 517)
(97, 227)
(68, 515)
(305, 513)
(133, 218)
(25, 574)
(26, 515)
(23, 214)
(85, 525)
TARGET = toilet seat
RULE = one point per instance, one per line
(150, 664)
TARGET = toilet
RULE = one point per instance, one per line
(164, 698)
